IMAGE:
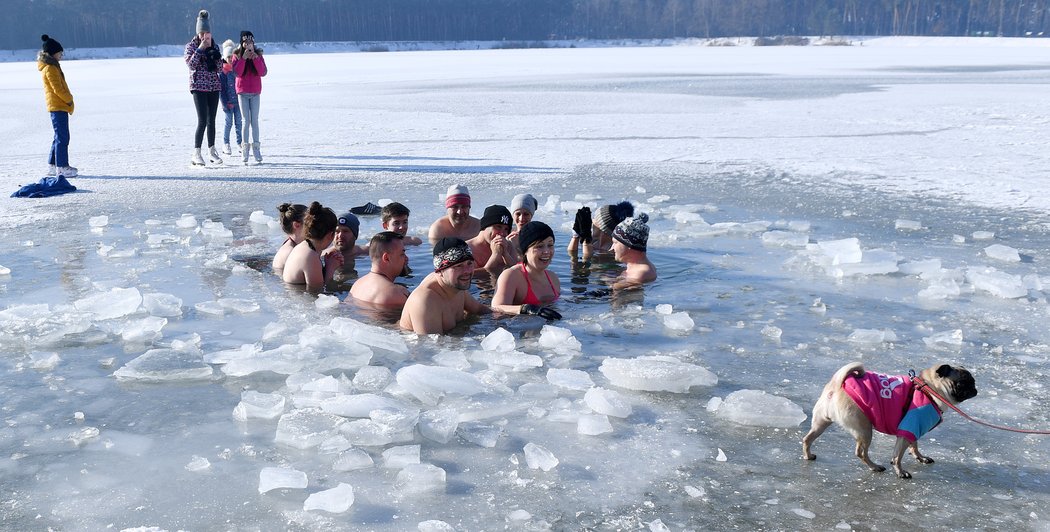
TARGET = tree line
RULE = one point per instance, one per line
(113, 23)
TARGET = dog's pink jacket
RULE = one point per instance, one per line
(893, 404)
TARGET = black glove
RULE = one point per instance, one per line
(582, 225)
(543, 312)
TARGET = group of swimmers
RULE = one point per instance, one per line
(504, 243)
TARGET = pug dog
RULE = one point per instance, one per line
(860, 401)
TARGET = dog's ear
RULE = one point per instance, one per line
(944, 370)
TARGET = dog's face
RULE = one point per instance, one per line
(954, 383)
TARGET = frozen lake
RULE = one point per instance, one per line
(129, 343)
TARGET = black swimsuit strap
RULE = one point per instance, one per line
(311, 244)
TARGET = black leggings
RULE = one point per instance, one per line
(207, 104)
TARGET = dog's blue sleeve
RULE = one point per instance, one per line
(918, 421)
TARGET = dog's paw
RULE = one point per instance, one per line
(925, 459)
(809, 456)
(903, 474)
(877, 468)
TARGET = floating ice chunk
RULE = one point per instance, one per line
(694, 492)
(983, 235)
(284, 360)
(871, 336)
(952, 338)
(438, 425)
(162, 305)
(44, 361)
(785, 239)
(907, 225)
(335, 444)
(430, 383)
(160, 365)
(116, 303)
(660, 198)
(452, 359)
(572, 379)
(772, 332)
(434, 525)
(272, 478)
(401, 456)
(844, 251)
(920, 267)
(420, 478)
(360, 405)
(538, 457)
(186, 221)
(369, 433)
(98, 221)
(241, 306)
(372, 378)
(713, 404)
(260, 217)
(4, 270)
(83, 435)
(657, 526)
(307, 428)
(607, 402)
(480, 434)
(512, 360)
(656, 373)
(997, 283)
(760, 409)
(801, 512)
(256, 405)
(198, 464)
(551, 204)
(352, 460)
(225, 356)
(664, 309)
(1003, 253)
(800, 226)
(326, 302)
(570, 206)
(370, 335)
(684, 217)
(397, 420)
(721, 456)
(558, 339)
(945, 288)
(519, 516)
(336, 500)
(873, 262)
(499, 340)
(212, 308)
(593, 424)
(145, 330)
(679, 321)
(215, 230)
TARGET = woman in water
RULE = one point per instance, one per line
(529, 287)
(292, 223)
(307, 262)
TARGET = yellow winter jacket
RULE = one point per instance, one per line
(56, 92)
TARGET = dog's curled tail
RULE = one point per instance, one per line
(855, 369)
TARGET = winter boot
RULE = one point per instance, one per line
(257, 152)
(52, 170)
(213, 156)
(244, 153)
(196, 159)
(226, 149)
(67, 171)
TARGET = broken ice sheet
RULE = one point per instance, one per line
(158, 365)
(336, 500)
(760, 409)
(656, 373)
(271, 478)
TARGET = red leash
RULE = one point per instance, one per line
(928, 390)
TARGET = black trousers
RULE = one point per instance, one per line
(207, 104)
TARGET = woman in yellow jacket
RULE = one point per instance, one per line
(59, 104)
